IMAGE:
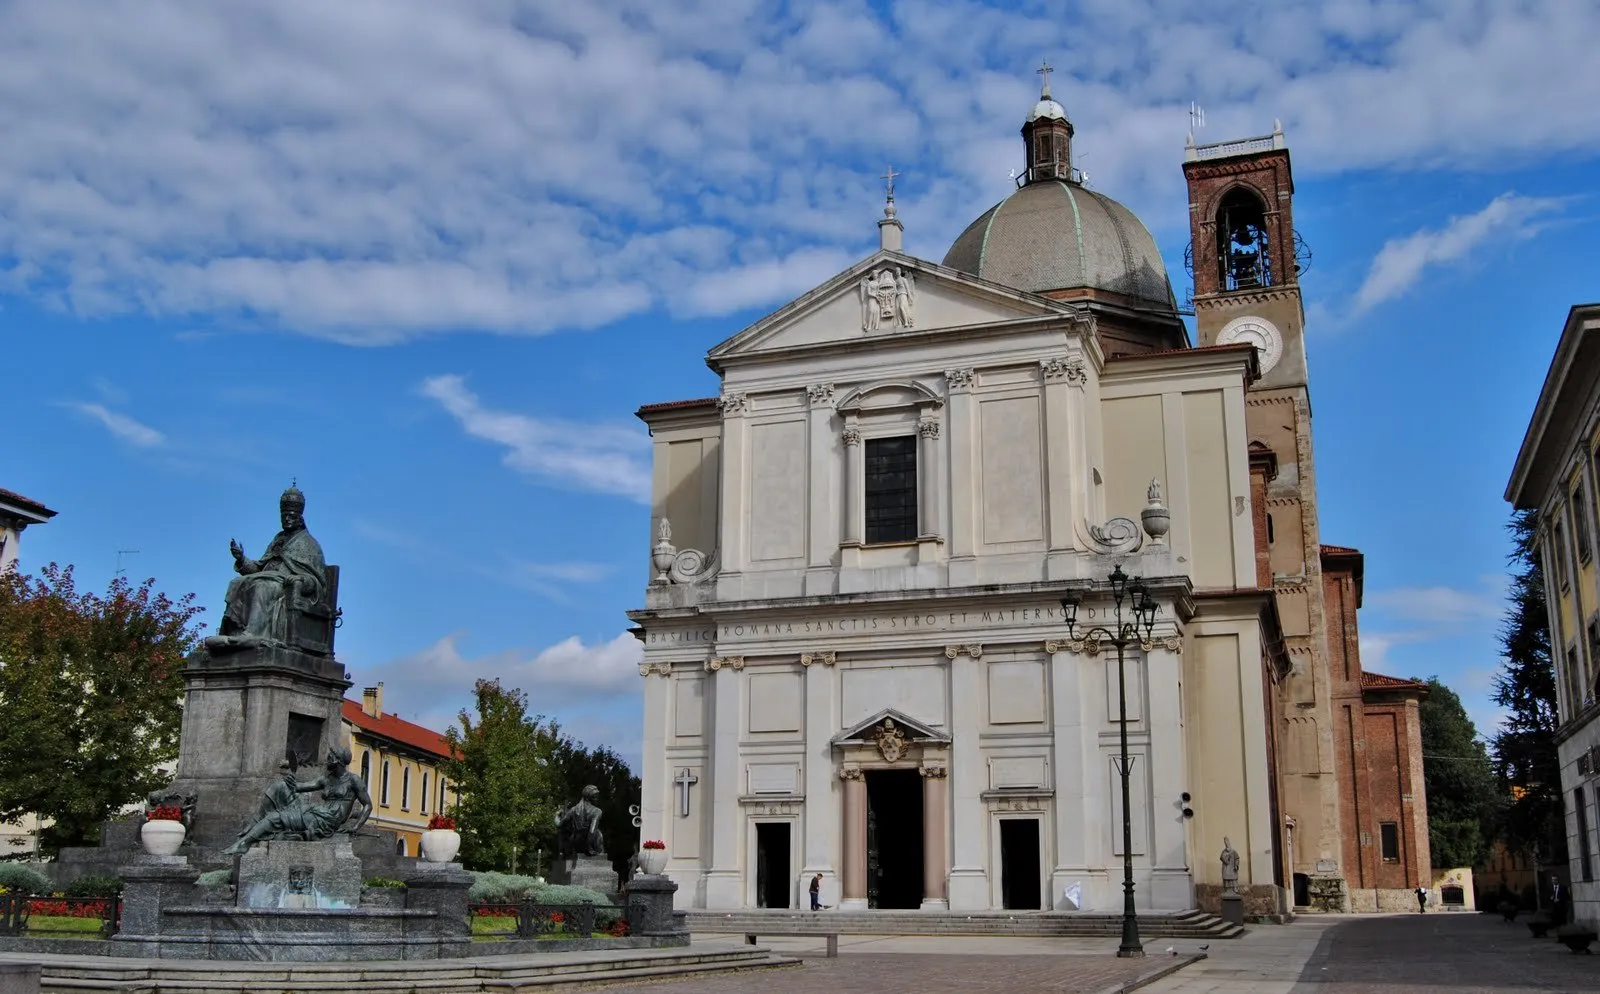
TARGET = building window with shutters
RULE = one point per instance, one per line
(366, 767)
(405, 789)
(891, 489)
(1558, 552)
(424, 791)
(383, 794)
(1580, 522)
(1389, 841)
(441, 793)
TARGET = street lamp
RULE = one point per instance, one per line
(1125, 634)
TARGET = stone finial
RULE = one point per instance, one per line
(1155, 517)
(663, 552)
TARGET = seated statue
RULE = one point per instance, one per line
(263, 599)
(284, 815)
(578, 828)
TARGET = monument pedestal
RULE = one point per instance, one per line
(593, 872)
(1233, 908)
(300, 875)
(650, 906)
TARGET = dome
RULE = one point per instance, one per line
(1048, 109)
(1053, 234)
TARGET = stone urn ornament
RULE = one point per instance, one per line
(441, 841)
(163, 830)
(653, 857)
(1156, 517)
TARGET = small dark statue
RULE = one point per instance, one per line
(283, 814)
(263, 598)
(578, 828)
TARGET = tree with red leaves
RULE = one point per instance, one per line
(91, 698)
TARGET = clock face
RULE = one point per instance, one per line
(1258, 332)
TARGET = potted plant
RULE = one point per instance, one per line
(653, 857)
(441, 841)
(1539, 925)
(163, 830)
(1508, 910)
(1575, 937)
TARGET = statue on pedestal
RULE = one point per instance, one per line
(344, 808)
(1230, 868)
(578, 828)
(264, 600)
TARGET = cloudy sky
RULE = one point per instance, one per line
(428, 258)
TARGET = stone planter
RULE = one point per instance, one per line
(652, 861)
(1539, 927)
(162, 837)
(1577, 940)
(440, 845)
(383, 897)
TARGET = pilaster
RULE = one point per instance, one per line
(823, 527)
(735, 514)
(962, 475)
(821, 814)
(655, 800)
(969, 879)
(724, 881)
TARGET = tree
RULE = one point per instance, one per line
(501, 771)
(1463, 796)
(91, 698)
(575, 767)
(1525, 687)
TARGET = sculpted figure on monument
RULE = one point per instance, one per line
(1230, 868)
(344, 808)
(264, 598)
(579, 826)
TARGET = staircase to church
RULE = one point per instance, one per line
(760, 922)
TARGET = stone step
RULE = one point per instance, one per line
(553, 971)
(1188, 924)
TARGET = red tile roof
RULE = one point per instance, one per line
(1340, 550)
(672, 405)
(397, 729)
(1377, 681)
(27, 504)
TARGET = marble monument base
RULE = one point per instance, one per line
(300, 875)
(593, 872)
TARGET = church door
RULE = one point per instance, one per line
(1019, 863)
(894, 839)
(772, 864)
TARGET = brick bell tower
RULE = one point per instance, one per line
(1246, 267)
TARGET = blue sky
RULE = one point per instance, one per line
(428, 258)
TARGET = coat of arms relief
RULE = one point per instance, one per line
(888, 300)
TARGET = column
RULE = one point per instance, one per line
(930, 496)
(962, 469)
(655, 800)
(823, 499)
(969, 878)
(1077, 820)
(855, 840)
(855, 483)
(725, 879)
(821, 818)
(1171, 884)
(935, 851)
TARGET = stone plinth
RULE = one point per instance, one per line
(593, 872)
(149, 885)
(19, 978)
(1232, 908)
(300, 875)
(650, 906)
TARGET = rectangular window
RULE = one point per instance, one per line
(891, 485)
(405, 789)
(1585, 865)
(424, 792)
(1559, 551)
(1574, 687)
(1580, 522)
(1389, 840)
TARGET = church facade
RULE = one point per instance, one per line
(867, 548)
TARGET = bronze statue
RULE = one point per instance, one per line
(344, 808)
(262, 599)
(578, 829)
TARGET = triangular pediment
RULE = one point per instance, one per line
(886, 296)
(909, 727)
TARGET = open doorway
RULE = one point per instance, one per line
(772, 864)
(1019, 864)
(894, 839)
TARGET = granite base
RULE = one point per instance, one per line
(593, 872)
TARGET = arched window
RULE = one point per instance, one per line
(405, 789)
(366, 767)
(441, 793)
(383, 795)
(1244, 256)
(424, 791)
(400, 846)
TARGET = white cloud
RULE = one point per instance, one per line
(372, 170)
(1399, 265)
(1439, 605)
(607, 459)
(126, 428)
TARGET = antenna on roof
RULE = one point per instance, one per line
(120, 554)
(1197, 117)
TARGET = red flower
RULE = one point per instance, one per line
(444, 822)
(655, 844)
(165, 812)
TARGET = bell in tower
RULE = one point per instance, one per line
(1048, 136)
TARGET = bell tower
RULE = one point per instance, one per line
(1246, 264)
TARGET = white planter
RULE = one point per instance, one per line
(440, 845)
(652, 861)
(162, 837)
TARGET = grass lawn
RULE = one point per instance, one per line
(482, 927)
(44, 926)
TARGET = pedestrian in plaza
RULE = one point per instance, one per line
(1422, 900)
(1558, 901)
(816, 893)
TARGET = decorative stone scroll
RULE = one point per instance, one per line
(928, 428)
(820, 394)
(933, 772)
(689, 566)
(851, 435)
(973, 650)
(660, 669)
(1116, 537)
(733, 403)
(718, 662)
(1070, 368)
(827, 658)
(1091, 641)
(958, 379)
(851, 773)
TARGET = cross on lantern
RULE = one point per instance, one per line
(889, 176)
(685, 779)
(1044, 70)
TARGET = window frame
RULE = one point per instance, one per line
(1581, 538)
(907, 529)
(405, 788)
(383, 794)
(1585, 860)
(1387, 831)
(424, 794)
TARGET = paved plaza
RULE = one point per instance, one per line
(1324, 954)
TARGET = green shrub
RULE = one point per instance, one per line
(94, 886)
(489, 887)
(24, 879)
(215, 878)
(383, 882)
(567, 894)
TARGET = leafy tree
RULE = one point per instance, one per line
(1525, 747)
(91, 696)
(1463, 796)
(575, 767)
(502, 774)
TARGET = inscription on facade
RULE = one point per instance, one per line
(881, 624)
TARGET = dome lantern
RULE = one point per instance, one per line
(1047, 137)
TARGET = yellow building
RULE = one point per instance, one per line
(1558, 473)
(400, 761)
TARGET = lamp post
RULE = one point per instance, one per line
(1123, 635)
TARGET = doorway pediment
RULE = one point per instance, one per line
(892, 734)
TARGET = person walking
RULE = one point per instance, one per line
(1422, 900)
(816, 893)
(1558, 901)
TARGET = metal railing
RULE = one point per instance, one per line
(530, 920)
(17, 913)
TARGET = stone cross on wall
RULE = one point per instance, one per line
(685, 779)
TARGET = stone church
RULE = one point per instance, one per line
(866, 549)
